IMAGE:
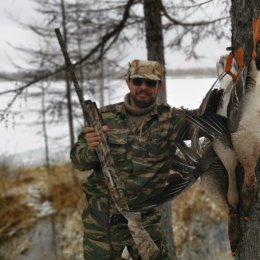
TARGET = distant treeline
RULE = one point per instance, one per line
(192, 72)
(178, 73)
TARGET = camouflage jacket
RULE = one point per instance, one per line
(142, 155)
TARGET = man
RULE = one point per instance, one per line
(141, 136)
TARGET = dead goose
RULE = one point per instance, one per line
(235, 132)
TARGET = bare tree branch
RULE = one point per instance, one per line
(115, 32)
(199, 23)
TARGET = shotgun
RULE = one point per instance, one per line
(146, 247)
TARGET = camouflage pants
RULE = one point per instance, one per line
(103, 241)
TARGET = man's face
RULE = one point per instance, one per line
(143, 91)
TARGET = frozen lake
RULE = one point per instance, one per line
(21, 131)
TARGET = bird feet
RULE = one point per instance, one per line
(249, 193)
(233, 230)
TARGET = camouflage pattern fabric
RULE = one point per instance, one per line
(145, 69)
(104, 242)
(142, 158)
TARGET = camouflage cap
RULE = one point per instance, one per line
(145, 69)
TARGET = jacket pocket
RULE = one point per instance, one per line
(158, 146)
(117, 140)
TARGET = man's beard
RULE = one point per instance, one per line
(143, 103)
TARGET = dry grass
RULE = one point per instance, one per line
(65, 196)
(192, 202)
(59, 185)
(14, 216)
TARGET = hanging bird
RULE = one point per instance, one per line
(235, 132)
(216, 128)
(212, 119)
(223, 145)
(245, 134)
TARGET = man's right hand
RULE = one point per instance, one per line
(92, 137)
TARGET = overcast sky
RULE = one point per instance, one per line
(23, 10)
(11, 33)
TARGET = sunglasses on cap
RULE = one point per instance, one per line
(148, 82)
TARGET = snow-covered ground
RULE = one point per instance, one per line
(22, 139)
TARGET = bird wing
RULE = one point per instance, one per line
(235, 105)
(212, 125)
(181, 178)
(176, 184)
(210, 103)
(212, 97)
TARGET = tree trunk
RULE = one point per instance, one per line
(45, 134)
(154, 36)
(155, 51)
(249, 248)
(242, 14)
